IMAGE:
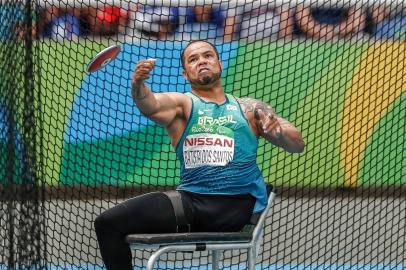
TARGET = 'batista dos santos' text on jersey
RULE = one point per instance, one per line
(218, 152)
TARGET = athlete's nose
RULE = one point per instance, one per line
(202, 61)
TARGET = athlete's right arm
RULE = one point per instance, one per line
(162, 108)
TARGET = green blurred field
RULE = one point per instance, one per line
(306, 82)
(288, 76)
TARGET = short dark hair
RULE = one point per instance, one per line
(182, 60)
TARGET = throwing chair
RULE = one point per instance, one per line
(248, 238)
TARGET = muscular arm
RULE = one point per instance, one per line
(162, 108)
(267, 124)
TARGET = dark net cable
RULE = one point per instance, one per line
(74, 144)
(22, 216)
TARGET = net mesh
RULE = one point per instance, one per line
(22, 219)
(74, 144)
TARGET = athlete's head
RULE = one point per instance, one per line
(201, 63)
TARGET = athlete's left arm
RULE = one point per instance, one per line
(266, 123)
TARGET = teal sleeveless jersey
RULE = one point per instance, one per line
(218, 152)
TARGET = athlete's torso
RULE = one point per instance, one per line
(218, 150)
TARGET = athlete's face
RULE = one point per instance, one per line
(202, 66)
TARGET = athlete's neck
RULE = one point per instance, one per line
(215, 95)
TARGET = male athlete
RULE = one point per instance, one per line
(215, 136)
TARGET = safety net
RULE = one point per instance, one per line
(75, 144)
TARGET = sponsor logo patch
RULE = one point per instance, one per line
(207, 149)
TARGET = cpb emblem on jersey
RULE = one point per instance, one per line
(230, 107)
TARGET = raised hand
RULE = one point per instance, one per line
(269, 124)
(143, 70)
(141, 73)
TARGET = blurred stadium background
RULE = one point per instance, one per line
(74, 143)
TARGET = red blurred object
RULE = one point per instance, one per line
(110, 14)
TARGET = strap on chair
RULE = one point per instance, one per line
(255, 217)
(176, 200)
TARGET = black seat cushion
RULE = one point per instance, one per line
(184, 238)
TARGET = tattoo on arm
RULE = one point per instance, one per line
(136, 91)
(247, 104)
(253, 105)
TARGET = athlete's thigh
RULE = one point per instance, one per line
(148, 213)
(221, 213)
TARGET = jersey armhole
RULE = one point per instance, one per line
(182, 137)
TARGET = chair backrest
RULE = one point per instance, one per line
(259, 226)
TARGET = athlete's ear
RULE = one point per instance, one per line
(221, 65)
(184, 73)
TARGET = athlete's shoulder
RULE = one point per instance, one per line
(247, 104)
(176, 95)
(191, 96)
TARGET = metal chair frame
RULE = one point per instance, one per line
(162, 246)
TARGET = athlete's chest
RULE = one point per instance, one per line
(227, 115)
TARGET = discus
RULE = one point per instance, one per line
(103, 58)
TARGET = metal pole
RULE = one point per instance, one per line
(215, 256)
